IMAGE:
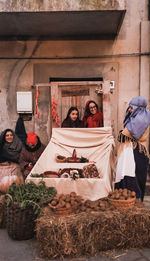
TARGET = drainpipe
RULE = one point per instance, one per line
(148, 10)
(140, 59)
(149, 62)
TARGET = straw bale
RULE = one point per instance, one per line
(88, 233)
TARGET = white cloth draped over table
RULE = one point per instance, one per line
(96, 144)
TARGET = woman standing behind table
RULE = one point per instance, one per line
(72, 120)
(10, 148)
(136, 123)
(30, 153)
(93, 118)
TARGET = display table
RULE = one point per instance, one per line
(96, 144)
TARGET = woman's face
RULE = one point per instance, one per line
(73, 115)
(9, 137)
(92, 108)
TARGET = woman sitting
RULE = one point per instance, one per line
(93, 118)
(72, 120)
(10, 148)
(30, 153)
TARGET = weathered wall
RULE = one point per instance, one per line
(57, 5)
(24, 63)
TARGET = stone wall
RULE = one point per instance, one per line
(124, 60)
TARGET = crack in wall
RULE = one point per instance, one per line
(13, 79)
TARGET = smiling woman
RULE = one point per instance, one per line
(10, 148)
(9, 137)
(72, 120)
(93, 118)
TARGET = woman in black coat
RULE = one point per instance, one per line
(10, 146)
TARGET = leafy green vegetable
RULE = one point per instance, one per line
(83, 159)
(37, 175)
(30, 194)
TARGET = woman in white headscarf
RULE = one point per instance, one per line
(135, 135)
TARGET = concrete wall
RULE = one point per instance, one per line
(24, 63)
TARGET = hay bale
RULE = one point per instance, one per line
(89, 233)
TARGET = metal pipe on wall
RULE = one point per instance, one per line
(149, 10)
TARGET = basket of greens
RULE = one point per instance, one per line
(24, 205)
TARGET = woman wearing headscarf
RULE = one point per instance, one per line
(10, 148)
(135, 132)
(72, 120)
(30, 153)
(93, 118)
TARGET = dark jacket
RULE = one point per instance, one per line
(20, 130)
(68, 123)
(29, 155)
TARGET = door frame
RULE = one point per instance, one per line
(102, 86)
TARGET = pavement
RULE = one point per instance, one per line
(11, 250)
(26, 250)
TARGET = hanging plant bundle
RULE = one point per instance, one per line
(55, 116)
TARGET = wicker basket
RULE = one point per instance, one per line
(51, 174)
(20, 222)
(122, 204)
(60, 159)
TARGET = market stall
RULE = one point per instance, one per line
(80, 216)
(93, 144)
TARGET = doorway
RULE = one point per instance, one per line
(66, 92)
